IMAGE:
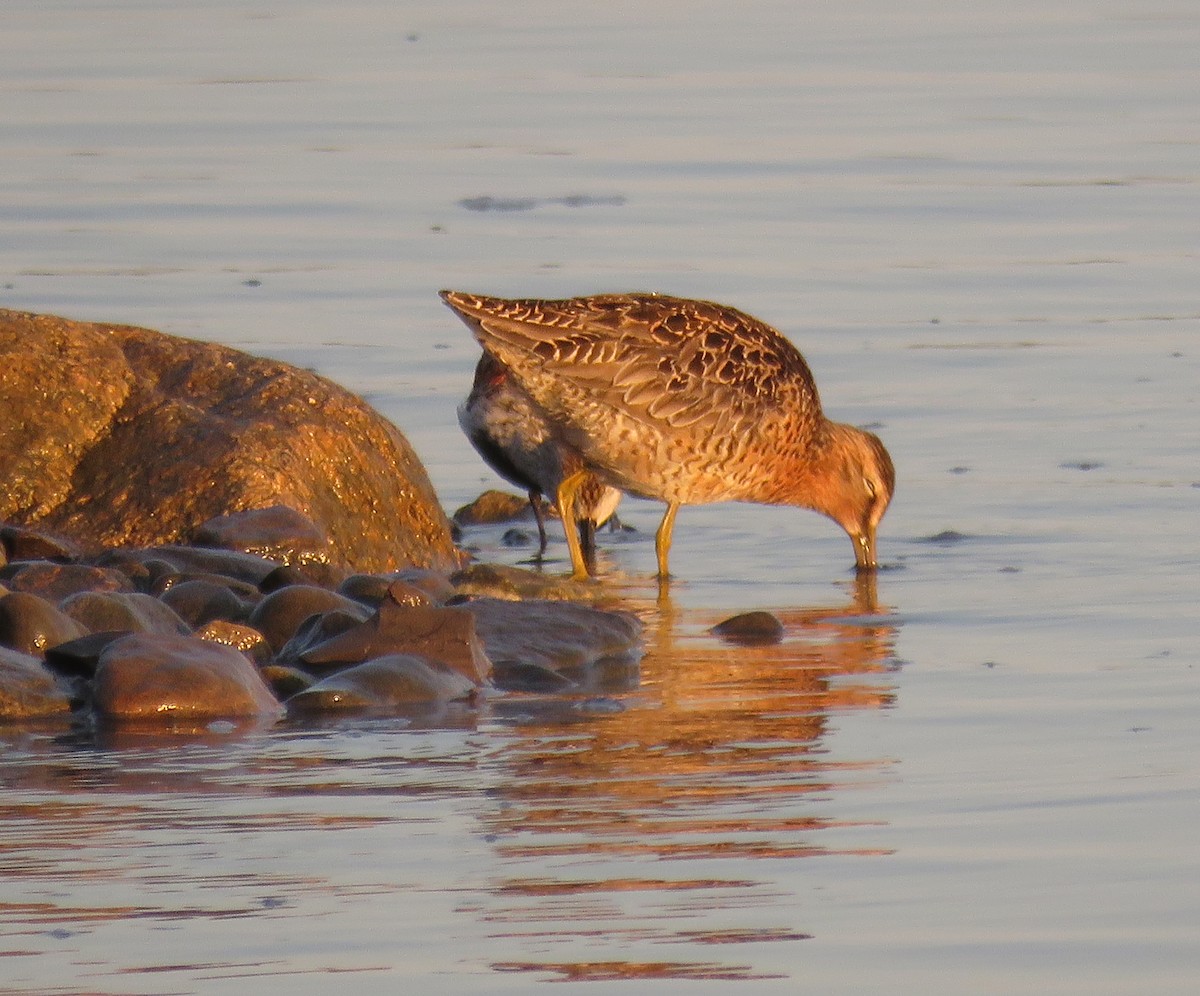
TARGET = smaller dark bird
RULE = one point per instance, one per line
(512, 436)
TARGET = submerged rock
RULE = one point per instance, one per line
(750, 629)
(156, 676)
(97, 417)
(387, 682)
(561, 636)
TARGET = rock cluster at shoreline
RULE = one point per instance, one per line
(190, 534)
(187, 635)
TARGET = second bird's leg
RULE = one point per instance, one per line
(539, 514)
(587, 542)
(662, 539)
(567, 491)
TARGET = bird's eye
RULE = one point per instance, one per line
(870, 486)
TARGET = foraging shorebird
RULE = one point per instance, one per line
(687, 402)
(512, 436)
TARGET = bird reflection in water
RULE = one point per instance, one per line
(720, 757)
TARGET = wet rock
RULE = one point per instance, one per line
(32, 625)
(947, 537)
(321, 575)
(28, 690)
(17, 543)
(189, 561)
(146, 676)
(517, 538)
(410, 587)
(99, 611)
(316, 630)
(561, 636)
(493, 507)
(55, 581)
(446, 635)
(404, 593)
(279, 615)
(243, 639)
(277, 533)
(750, 629)
(198, 602)
(514, 583)
(369, 589)
(517, 676)
(97, 417)
(384, 683)
(286, 681)
(78, 658)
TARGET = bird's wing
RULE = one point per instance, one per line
(659, 360)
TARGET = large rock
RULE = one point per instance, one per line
(112, 435)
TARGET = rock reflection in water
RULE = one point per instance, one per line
(719, 759)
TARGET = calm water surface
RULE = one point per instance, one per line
(980, 774)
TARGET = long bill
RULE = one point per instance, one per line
(864, 549)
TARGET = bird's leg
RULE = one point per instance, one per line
(567, 491)
(587, 542)
(539, 513)
(662, 539)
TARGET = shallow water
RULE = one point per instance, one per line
(978, 224)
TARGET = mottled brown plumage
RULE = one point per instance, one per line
(688, 402)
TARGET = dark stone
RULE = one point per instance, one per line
(321, 575)
(316, 630)
(404, 587)
(384, 683)
(154, 676)
(198, 602)
(32, 625)
(31, 544)
(78, 658)
(279, 615)
(516, 538)
(442, 634)
(113, 610)
(286, 681)
(97, 418)
(369, 589)
(27, 689)
(56, 581)
(517, 676)
(750, 628)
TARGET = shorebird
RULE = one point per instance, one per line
(687, 402)
(514, 439)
